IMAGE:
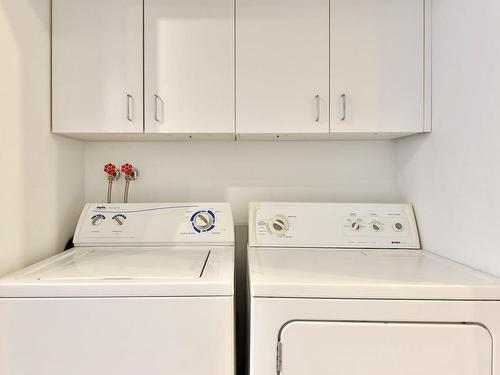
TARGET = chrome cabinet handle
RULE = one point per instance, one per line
(158, 108)
(130, 107)
(318, 108)
(343, 99)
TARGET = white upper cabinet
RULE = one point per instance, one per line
(189, 66)
(377, 65)
(282, 75)
(97, 66)
(296, 69)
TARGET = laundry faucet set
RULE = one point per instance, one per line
(131, 174)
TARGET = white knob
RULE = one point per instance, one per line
(356, 225)
(377, 226)
(278, 225)
(398, 227)
(119, 219)
(203, 221)
(97, 220)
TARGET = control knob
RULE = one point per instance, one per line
(377, 226)
(398, 227)
(97, 220)
(278, 225)
(203, 221)
(356, 225)
(119, 219)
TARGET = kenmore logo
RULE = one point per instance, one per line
(101, 207)
(396, 242)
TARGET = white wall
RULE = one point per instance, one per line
(41, 190)
(240, 172)
(453, 175)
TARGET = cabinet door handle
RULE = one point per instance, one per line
(318, 108)
(343, 101)
(130, 107)
(158, 108)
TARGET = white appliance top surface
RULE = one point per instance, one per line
(379, 274)
(127, 271)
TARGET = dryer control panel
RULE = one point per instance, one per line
(155, 224)
(333, 225)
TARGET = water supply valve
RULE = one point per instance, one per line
(131, 174)
(113, 175)
(111, 170)
(130, 171)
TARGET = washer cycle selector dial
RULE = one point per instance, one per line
(278, 225)
(203, 221)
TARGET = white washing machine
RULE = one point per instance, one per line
(148, 289)
(345, 289)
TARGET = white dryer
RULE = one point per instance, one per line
(345, 289)
(148, 289)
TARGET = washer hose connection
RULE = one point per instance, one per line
(113, 175)
(131, 174)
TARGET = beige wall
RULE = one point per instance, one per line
(41, 187)
(453, 175)
(240, 172)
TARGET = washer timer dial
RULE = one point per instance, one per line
(203, 221)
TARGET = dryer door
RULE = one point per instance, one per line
(353, 348)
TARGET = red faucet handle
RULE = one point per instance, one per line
(110, 169)
(128, 169)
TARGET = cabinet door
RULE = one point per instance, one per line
(97, 66)
(282, 64)
(377, 66)
(189, 59)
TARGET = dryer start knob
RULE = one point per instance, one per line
(398, 227)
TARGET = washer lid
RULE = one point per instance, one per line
(377, 274)
(128, 264)
(174, 271)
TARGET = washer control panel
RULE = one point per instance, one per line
(337, 225)
(155, 224)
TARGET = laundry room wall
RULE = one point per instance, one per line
(239, 172)
(42, 186)
(453, 175)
